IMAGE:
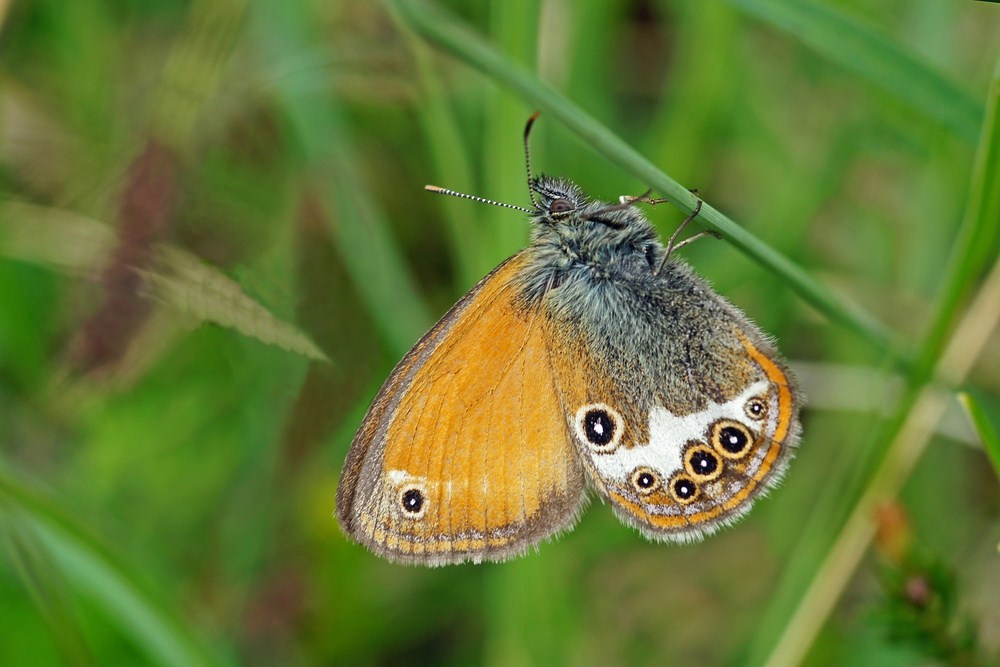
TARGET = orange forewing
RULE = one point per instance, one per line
(470, 420)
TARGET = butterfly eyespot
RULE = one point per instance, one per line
(731, 439)
(645, 480)
(561, 205)
(599, 426)
(683, 489)
(413, 502)
(702, 463)
(756, 408)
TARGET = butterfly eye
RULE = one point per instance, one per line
(561, 205)
(756, 408)
(702, 463)
(731, 439)
(599, 426)
(645, 480)
(413, 502)
(683, 489)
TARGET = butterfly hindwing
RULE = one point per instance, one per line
(676, 405)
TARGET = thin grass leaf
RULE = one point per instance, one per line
(445, 31)
(900, 444)
(197, 289)
(47, 588)
(76, 244)
(859, 48)
(448, 155)
(975, 245)
(985, 418)
(195, 68)
(513, 27)
(157, 630)
(370, 253)
(801, 609)
(55, 238)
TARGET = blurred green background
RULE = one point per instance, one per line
(214, 245)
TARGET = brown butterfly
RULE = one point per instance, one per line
(592, 358)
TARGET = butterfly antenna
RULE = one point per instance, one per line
(527, 153)
(482, 200)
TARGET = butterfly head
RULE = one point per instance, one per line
(556, 199)
(564, 217)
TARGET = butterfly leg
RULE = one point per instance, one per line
(695, 237)
(646, 199)
(672, 241)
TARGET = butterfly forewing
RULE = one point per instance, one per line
(469, 459)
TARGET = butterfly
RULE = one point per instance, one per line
(593, 359)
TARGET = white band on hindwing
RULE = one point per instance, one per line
(669, 433)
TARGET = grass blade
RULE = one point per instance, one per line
(900, 444)
(977, 238)
(47, 589)
(97, 573)
(911, 431)
(358, 227)
(443, 30)
(78, 245)
(195, 288)
(858, 48)
(985, 419)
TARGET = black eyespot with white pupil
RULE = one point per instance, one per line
(412, 502)
(731, 438)
(561, 206)
(703, 462)
(755, 408)
(599, 427)
(683, 489)
(645, 480)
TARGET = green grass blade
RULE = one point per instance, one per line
(844, 40)
(196, 66)
(77, 244)
(98, 574)
(195, 288)
(47, 588)
(358, 227)
(975, 245)
(452, 168)
(808, 591)
(55, 238)
(985, 418)
(512, 28)
(443, 30)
